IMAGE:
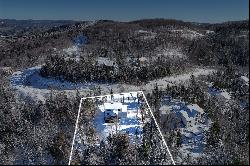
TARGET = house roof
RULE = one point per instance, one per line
(114, 106)
(196, 108)
(186, 116)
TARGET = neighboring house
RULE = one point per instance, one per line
(245, 80)
(199, 112)
(111, 110)
(190, 124)
(186, 119)
(193, 115)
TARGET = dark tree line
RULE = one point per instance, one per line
(119, 150)
(89, 71)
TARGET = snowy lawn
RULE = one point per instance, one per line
(131, 123)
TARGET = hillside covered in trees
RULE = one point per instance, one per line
(47, 68)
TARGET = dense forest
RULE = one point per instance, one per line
(131, 53)
(134, 61)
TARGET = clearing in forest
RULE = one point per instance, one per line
(102, 118)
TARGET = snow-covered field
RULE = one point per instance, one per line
(29, 83)
(193, 123)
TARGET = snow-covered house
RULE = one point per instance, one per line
(191, 115)
(199, 111)
(186, 118)
(111, 110)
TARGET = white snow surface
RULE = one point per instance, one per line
(104, 61)
(142, 31)
(192, 125)
(187, 33)
(165, 109)
(245, 79)
(221, 93)
(130, 123)
(178, 79)
(209, 31)
(30, 84)
(71, 50)
(195, 107)
(226, 95)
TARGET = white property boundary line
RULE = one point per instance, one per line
(163, 139)
(78, 115)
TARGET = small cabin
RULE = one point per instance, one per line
(114, 111)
